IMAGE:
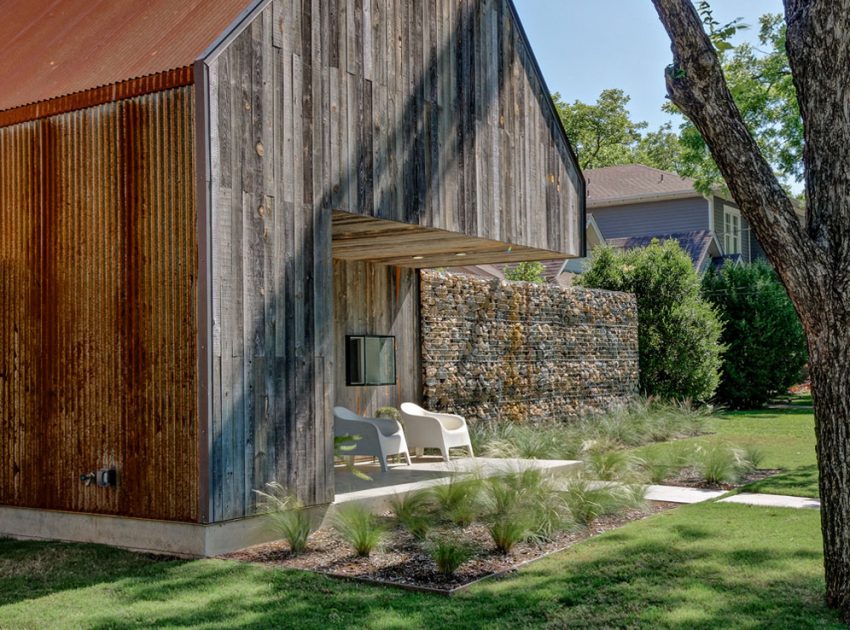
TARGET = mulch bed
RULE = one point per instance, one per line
(402, 560)
(690, 478)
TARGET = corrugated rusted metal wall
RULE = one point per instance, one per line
(98, 268)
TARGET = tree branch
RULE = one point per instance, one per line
(695, 83)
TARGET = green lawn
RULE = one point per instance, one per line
(703, 566)
(785, 436)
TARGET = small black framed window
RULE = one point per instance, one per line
(370, 360)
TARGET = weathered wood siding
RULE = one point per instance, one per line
(98, 276)
(424, 112)
(438, 118)
(372, 299)
(272, 351)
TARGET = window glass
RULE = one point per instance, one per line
(370, 360)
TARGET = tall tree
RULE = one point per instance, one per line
(812, 260)
(760, 81)
(603, 134)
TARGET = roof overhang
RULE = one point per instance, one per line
(361, 238)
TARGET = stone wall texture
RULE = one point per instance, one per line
(496, 350)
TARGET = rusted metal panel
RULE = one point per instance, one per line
(97, 96)
(98, 272)
(58, 48)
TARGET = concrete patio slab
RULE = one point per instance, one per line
(426, 472)
(773, 500)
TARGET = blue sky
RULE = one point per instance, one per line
(585, 46)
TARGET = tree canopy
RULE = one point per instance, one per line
(761, 84)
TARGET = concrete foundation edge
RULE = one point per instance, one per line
(137, 534)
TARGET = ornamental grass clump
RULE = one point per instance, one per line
(524, 505)
(286, 515)
(508, 440)
(359, 528)
(752, 456)
(661, 464)
(718, 464)
(610, 465)
(588, 501)
(413, 512)
(458, 500)
(449, 554)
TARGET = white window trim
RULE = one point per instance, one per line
(732, 242)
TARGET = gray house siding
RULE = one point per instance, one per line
(652, 217)
(750, 248)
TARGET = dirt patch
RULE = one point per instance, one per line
(404, 561)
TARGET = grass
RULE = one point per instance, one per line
(703, 566)
(643, 421)
(784, 438)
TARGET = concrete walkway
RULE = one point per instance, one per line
(678, 494)
(773, 500)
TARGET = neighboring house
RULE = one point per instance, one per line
(201, 200)
(632, 204)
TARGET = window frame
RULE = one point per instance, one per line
(732, 241)
(361, 366)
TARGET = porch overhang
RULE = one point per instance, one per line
(361, 238)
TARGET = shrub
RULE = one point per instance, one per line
(412, 511)
(448, 555)
(287, 515)
(678, 331)
(766, 345)
(526, 272)
(388, 412)
(359, 528)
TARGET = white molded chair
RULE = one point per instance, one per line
(379, 437)
(427, 429)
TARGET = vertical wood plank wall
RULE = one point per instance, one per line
(372, 299)
(97, 309)
(428, 112)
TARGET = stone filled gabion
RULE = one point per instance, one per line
(525, 352)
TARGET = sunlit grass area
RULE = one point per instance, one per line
(703, 566)
(785, 438)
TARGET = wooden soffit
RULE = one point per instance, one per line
(357, 237)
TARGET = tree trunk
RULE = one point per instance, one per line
(813, 262)
(829, 364)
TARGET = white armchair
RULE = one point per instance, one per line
(379, 437)
(427, 429)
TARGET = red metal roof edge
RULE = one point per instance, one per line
(166, 80)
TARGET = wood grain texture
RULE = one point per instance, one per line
(373, 299)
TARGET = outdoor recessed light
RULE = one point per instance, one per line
(418, 257)
(461, 254)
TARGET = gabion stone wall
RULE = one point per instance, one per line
(525, 352)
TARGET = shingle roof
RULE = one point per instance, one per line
(696, 244)
(632, 182)
(59, 47)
